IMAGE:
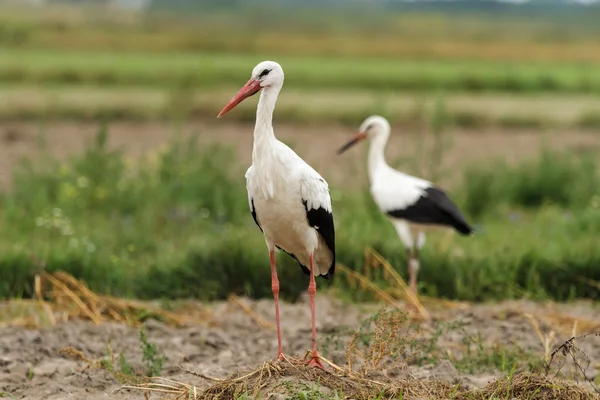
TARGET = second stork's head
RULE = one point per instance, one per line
(375, 128)
(265, 75)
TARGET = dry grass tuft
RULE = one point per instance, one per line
(568, 360)
(106, 364)
(74, 354)
(60, 297)
(532, 387)
(233, 299)
(386, 343)
(547, 340)
(399, 288)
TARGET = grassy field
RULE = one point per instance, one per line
(176, 224)
(203, 70)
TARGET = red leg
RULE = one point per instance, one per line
(312, 290)
(275, 289)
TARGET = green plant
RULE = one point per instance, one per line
(124, 366)
(154, 362)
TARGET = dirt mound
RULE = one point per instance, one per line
(285, 380)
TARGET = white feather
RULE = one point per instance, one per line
(394, 190)
(281, 214)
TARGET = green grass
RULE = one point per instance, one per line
(177, 224)
(207, 70)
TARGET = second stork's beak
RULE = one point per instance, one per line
(250, 88)
(357, 138)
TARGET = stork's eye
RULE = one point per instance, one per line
(369, 126)
(264, 73)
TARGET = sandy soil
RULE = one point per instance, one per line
(315, 143)
(32, 368)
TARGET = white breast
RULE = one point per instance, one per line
(278, 188)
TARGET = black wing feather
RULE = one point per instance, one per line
(434, 208)
(253, 211)
(322, 221)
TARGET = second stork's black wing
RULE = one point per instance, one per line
(434, 207)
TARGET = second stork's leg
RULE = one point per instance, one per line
(315, 360)
(275, 289)
(413, 268)
(406, 235)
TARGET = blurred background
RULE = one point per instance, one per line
(114, 168)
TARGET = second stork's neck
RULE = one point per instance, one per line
(376, 158)
(264, 137)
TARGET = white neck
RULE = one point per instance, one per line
(376, 159)
(263, 128)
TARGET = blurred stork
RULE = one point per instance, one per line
(413, 205)
(288, 199)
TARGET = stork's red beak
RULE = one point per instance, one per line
(357, 138)
(250, 88)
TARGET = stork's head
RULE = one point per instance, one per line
(266, 74)
(373, 127)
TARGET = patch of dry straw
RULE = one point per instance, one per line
(287, 379)
(60, 297)
(375, 261)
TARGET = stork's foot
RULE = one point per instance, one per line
(281, 358)
(314, 361)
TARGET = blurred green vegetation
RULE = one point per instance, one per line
(176, 224)
(209, 70)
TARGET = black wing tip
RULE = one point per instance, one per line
(472, 232)
(331, 271)
(328, 275)
(465, 230)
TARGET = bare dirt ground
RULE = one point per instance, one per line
(32, 368)
(315, 143)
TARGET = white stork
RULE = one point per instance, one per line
(413, 205)
(288, 199)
